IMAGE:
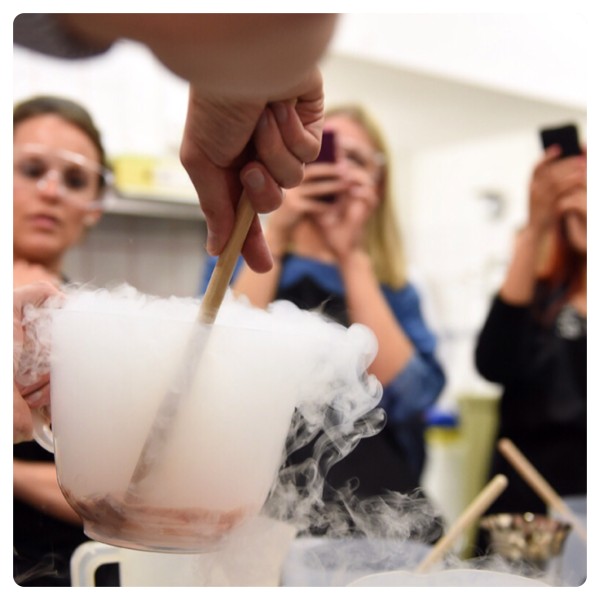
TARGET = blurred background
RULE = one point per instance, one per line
(461, 98)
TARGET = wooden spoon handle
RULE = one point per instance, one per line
(537, 482)
(477, 507)
(221, 276)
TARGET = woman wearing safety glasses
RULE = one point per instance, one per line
(59, 177)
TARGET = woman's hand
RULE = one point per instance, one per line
(343, 223)
(301, 202)
(552, 180)
(33, 394)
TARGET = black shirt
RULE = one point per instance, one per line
(543, 408)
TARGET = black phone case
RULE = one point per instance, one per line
(327, 154)
(566, 137)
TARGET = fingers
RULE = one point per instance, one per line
(22, 422)
(286, 168)
(263, 190)
(33, 293)
(288, 133)
(557, 177)
(255, 250)
(38, 393)
(216, 149)
(574, 202)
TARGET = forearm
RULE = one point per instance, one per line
(414, 390)
(240, 55)
(503, 341)
(367, 305)
(35, 483)
(519, 283)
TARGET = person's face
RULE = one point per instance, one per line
(55, 186)
(354, 147)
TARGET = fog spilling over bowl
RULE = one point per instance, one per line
(527, 537)
(113, 355)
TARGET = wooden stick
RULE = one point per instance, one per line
(537, 482)
(477, 507)
(221, 276)
(213, 297)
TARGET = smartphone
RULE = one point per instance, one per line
(565, 136)
(327, 154)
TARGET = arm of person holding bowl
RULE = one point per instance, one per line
(35, 393)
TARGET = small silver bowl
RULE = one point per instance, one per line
(530, 538)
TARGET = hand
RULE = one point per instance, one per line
(552, 180)
(303, 202)
(34, 394)
(219, 157)
(343, 225)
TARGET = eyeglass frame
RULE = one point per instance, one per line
(105, 176)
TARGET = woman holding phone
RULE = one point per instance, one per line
(337, 249)
(534, 339)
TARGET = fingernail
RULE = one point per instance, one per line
(254, 179)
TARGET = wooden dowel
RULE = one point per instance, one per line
(537, 482)
(221, 275)
(477, 507)
(213, 297)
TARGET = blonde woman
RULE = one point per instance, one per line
(346, 259)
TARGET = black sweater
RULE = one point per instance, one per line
(543, 409)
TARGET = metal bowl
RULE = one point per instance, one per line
(527, 537)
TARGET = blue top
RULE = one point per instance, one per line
(414, 389)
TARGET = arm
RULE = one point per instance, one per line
(418, 385)
(342, 226)
(552, 180)
(35, 483)
(262, 56)
(367, 305)
(501, 343)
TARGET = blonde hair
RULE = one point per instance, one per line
(383, 238)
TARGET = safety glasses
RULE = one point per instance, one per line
(71, 176)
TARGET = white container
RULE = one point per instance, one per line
(112, 363)
(254, 558)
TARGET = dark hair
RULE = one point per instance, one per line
(561, 277)
(68, 110)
